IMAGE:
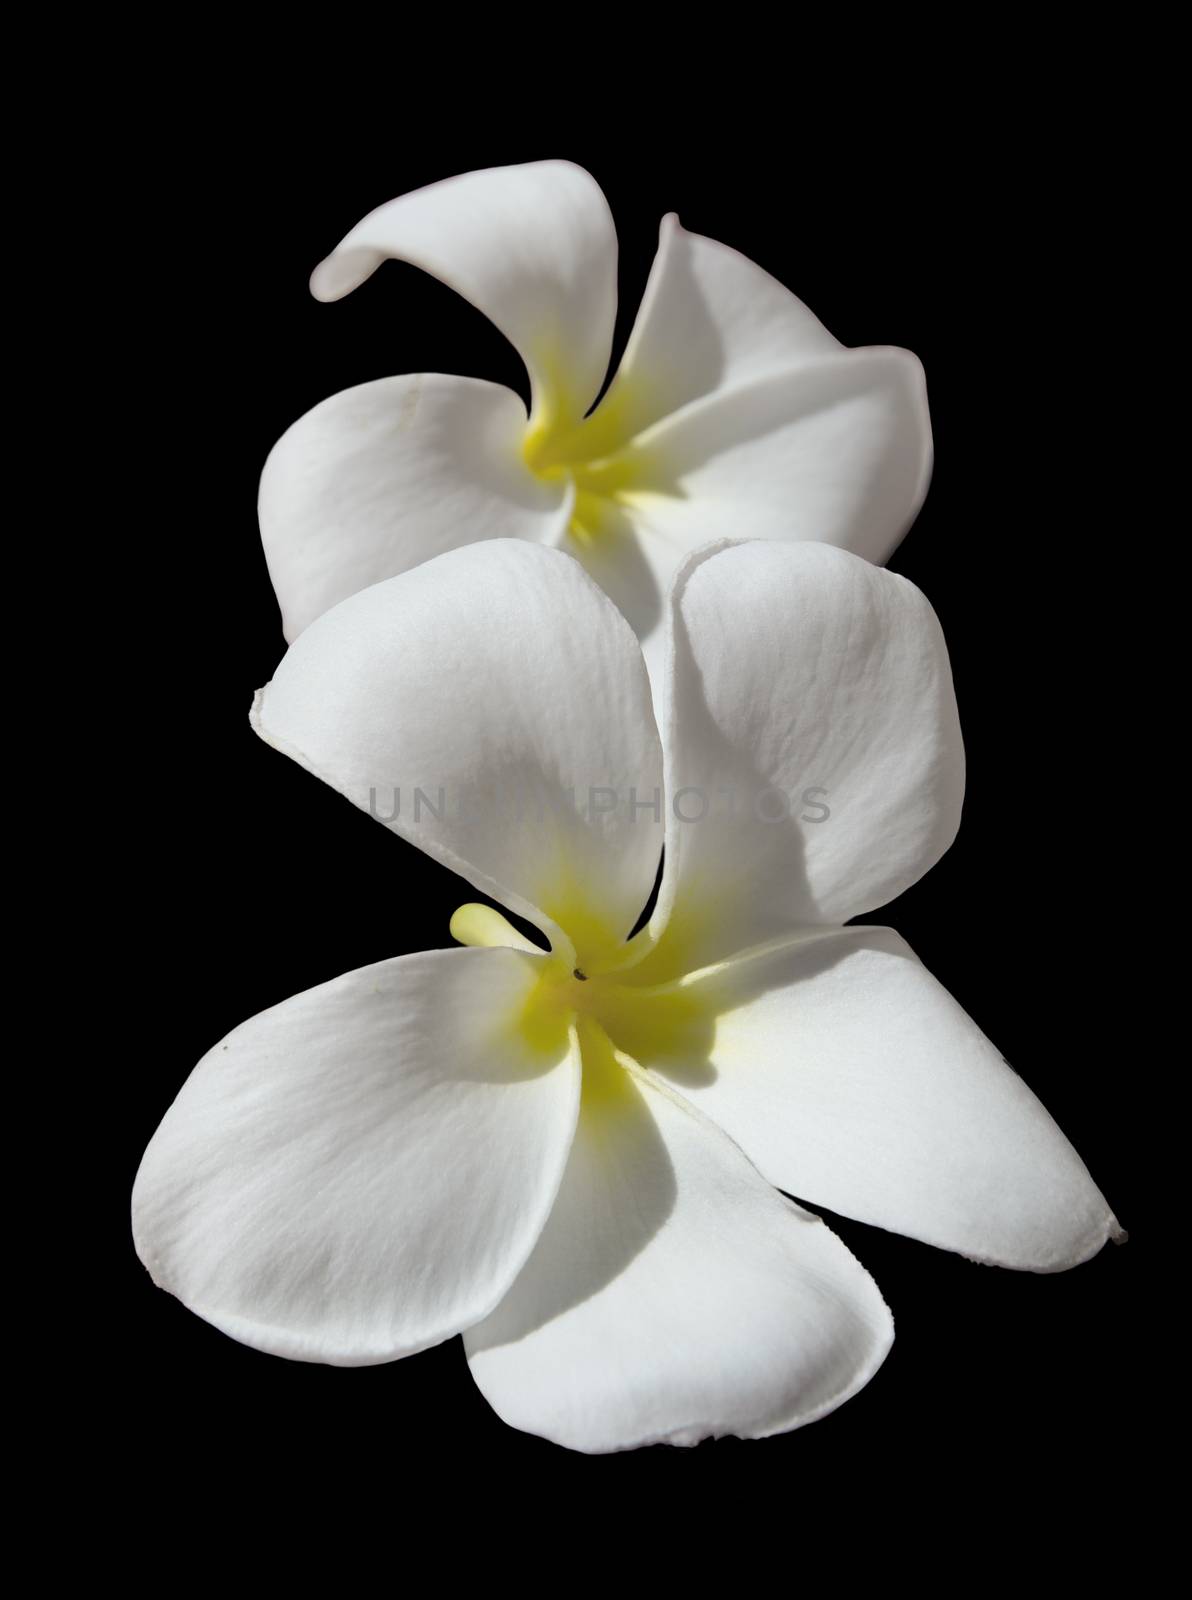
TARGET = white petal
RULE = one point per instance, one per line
(838, 451)
(854, 1080)
(533, 246)
(803, 680)
(673, 1294)
(710, 319)
(497, 701)
(635, 568)
(389, 474)
(361, 1171)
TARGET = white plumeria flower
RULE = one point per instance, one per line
(574, 1157)
(733, 409)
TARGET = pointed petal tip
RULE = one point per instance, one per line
(1065, 1257)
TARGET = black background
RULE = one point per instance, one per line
(250, 881)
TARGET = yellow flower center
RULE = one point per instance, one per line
(620, 1020)
(594, 454)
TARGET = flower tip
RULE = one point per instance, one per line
(341, 272)
(322, 280)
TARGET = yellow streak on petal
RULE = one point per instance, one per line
(558, 407)
(597, 943)
(678, 949)
(672, 1025)
(544, 1020)
(607, 1089)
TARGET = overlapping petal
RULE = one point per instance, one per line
(837, 450)
(710, 320)
(361, 1171)
(389, 474)
(673, 1294)
(492, 707)
(734, 411)
(802, 680)
(390, 1158)
(853, 1080)
(532, 246)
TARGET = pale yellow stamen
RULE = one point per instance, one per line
(475, 924)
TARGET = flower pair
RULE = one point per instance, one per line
(571, 1151)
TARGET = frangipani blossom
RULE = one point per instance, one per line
(574, 1157)
(733, 410)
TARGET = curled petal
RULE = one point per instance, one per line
(710, 320)
(532, 246)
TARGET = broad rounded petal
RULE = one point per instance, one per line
(710, 319)
(674, 1295)
(389, 474)
(854, 1080)
(838, 451)
(516, 764)
(533, 246)
(814, 761)
(361, 1171)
